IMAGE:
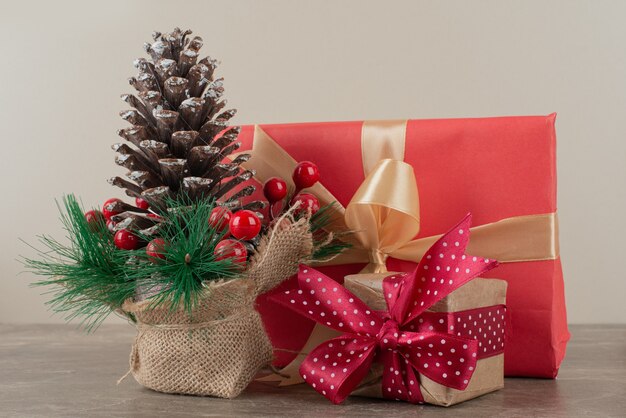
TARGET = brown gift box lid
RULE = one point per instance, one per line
(478, 293)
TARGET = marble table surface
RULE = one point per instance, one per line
(58, 371)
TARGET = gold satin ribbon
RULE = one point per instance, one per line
(384, 212)
(509, 240)
(380, 140)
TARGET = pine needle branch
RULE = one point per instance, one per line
(86, 275)
(188, 258)
(323, 247)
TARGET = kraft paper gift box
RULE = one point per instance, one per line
(480, 302)
(433, 335)
(501, 169)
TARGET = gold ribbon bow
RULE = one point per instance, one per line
(384, 212)
(384, 215)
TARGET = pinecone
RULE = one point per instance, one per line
(180, 134)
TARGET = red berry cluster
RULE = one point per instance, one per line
(123, 239)
(305, 175)
(243, 225)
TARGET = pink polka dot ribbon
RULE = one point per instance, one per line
(486, 325)
(397, 337)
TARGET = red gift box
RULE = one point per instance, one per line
(500, 169)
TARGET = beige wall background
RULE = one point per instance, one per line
(64, 64)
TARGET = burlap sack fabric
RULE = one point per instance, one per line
(219, 348)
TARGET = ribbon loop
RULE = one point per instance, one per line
(384, 211)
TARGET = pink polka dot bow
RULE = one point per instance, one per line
(393, 337)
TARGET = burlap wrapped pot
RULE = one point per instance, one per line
(221, 346)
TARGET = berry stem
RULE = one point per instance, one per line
(271, 211)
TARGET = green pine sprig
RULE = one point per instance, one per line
(323, 248)
(188, 262)
(87, 275)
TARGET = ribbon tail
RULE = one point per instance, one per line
(289, 374)
(399, 379)
(443, 358)
(336, 367)
(509, 240)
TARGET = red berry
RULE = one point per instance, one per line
(111, 225)
(245, 225)
(94, 219)
(307, 202)
(306, 174)
(107, 208)
(229, 248)
(153, 216)
(126, 240)
(275, 189)
(156, 248)
(141, 203)
(220, 218)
